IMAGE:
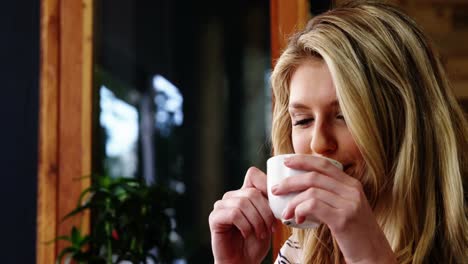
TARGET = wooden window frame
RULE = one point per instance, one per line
(64, 119)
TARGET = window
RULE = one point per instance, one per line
(182, 99)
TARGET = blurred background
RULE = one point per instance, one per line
(180, 98)
(184, 98)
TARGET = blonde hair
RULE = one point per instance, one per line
(405, 120)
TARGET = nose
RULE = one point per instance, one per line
(323, 142)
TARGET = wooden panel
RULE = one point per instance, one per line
(444, 21)
(65, 119)
(87, 102)
(432, 19)
(460, 88)
(286, 17)
(451, 45)
(48, 145)
(457, 67)
(75, 104)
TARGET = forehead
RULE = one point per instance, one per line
(311, 84)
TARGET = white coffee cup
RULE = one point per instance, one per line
(277, 171)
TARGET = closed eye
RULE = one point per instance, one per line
(340, 117)
(303, 122)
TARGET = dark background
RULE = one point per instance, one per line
(203, 48)
(19, 76)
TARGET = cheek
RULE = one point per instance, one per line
(300, 142)
(350, 147)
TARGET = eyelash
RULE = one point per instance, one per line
(305, 121)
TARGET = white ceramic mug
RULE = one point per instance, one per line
(276, 171)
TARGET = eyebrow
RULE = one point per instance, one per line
(297, 105)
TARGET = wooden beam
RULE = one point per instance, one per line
(87, 99)
(75, 111)
(48, 134)
(287, 16)
(65, 119)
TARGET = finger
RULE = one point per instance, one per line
(330, 199)
(301, 182)
(257, 179)
(316, 209)
(259, 202)
(321, 165)
(223, 219)
(250, 212)
(261, 205)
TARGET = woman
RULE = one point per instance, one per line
(362, 85)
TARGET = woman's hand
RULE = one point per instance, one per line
(241, 222)
(336, 199)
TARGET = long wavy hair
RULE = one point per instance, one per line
(405, 119)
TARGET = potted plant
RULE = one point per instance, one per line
(130, 221)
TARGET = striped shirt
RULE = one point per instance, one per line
(290, 252)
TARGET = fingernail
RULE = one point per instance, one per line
(274, 188)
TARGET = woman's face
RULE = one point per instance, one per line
(318, 125)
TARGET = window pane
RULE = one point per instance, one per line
(182, 99)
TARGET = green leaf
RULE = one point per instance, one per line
(66, 238)
(64, 252)
(75, 211)
(75, 236)
(81, 178)
(82, 195)
(86, 239)
(105, 181)
(122, 204)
